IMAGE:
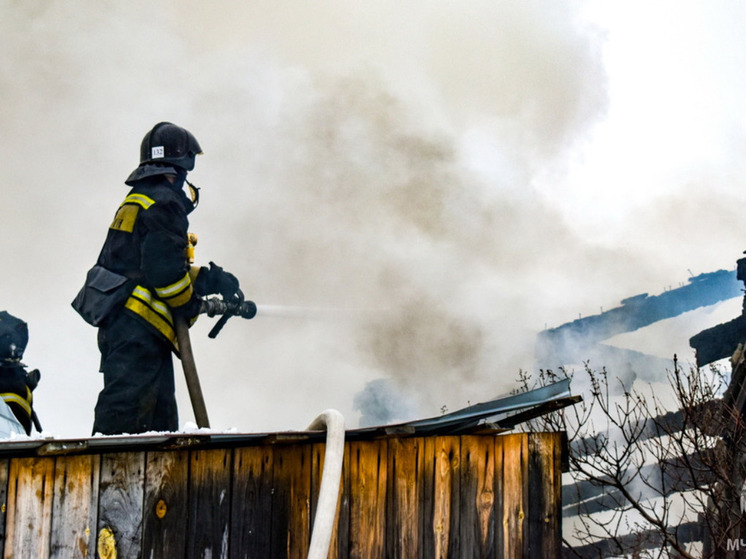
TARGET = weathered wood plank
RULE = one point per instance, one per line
(29, 519)
(499, 506)
(209, 503)
(544, 495)
(341, 536)
(317, 470)
(402, 519)
(477, 496)
(448, 493)
(428, 532)
(75, 507)
(368, 499)
(120, 504)
(4, 467)
(515, 451)
(251, 505)
(165, 507)
(291, 505)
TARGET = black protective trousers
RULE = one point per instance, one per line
(139, 392)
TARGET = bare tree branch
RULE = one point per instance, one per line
(647, 464)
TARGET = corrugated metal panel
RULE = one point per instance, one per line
(502, 410)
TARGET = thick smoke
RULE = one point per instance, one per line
(403, 163)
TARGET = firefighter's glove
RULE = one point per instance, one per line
(219, 282)
(33, 378)
(190, 310)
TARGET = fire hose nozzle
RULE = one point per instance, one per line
(247, 309)
(214, 306)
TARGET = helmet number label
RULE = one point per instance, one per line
(157, 152)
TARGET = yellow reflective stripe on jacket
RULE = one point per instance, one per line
(140, 199)
(142, 302)
(178, 293)
(126, 215)
(12, 397)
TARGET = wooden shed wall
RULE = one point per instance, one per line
(487, 496)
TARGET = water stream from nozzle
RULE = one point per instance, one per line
(285, 311)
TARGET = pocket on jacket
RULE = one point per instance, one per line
(103, 293)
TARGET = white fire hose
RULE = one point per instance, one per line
(326, 506)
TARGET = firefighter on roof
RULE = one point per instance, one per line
(141, 280)
(16, 384)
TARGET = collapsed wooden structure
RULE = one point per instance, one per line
(483, 494)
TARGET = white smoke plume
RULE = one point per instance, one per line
(421, 162)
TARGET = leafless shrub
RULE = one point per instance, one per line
(653, 470)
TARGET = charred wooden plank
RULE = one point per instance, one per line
(209, 503)
(404, 465)
(342, 547)
(30, 496)
(426, 488)
(251, 505)
(633, 544)
(120, 503)
(300, 501)
(75, 508)
(291, 512)
(719, 341)
(165, 507)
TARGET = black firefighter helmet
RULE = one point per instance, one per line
(13, 337)
(167, 146)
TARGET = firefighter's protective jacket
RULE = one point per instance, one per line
(147, 242)
(16, 386)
